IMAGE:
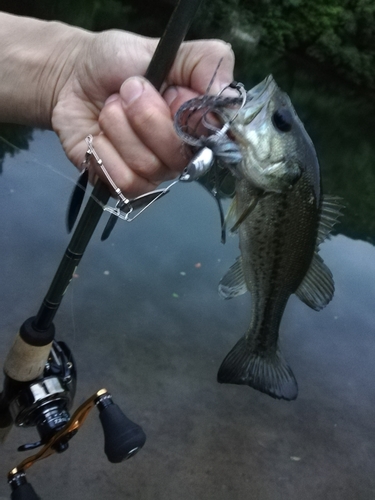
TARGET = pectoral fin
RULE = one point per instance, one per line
(141, 202)
(232, 219)
(317, 287)
(245, 214)
(233, 282)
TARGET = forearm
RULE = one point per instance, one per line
(36, 57)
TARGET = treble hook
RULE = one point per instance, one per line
(242, 93)
(203, 160)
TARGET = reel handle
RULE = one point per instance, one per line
(122, 437)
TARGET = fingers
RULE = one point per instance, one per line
(122, 175)
(137, 143)
(138, 146)
(116, 55)
(150, 118)
(142, 146)
(175, 97)
(197, 62)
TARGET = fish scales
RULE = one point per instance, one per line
(275, 256)
(279, 235)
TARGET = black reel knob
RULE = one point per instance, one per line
(21, 489)
(122, 437)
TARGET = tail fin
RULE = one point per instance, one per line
(268, 373)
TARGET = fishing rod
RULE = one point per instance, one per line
(156, 73)
(40, 372)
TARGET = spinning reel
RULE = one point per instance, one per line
(45, 403)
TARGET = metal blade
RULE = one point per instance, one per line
(109, 226)
(136, 203)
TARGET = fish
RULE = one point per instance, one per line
(281, 217)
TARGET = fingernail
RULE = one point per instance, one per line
(170, 95)
(229, 91)
(131, 89)
(218, 87)
(112, 98)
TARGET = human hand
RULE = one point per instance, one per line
(131, 122)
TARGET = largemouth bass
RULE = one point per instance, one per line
(281, 218)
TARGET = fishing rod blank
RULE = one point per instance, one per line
(156, 73)
(34, 348)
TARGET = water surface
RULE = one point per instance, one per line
(144, 320)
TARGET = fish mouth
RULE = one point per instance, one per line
(266, 85)
(258, 96)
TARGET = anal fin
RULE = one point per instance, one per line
(317, 287)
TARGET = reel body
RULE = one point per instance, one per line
(45, 403)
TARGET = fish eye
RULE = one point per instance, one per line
(282, 120)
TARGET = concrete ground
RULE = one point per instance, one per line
(144, 320)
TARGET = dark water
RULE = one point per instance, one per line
(144, 320)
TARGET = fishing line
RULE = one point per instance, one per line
(31, 158)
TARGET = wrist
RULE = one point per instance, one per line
(36, 59)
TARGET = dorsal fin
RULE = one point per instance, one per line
(329, 214)
(317, 287)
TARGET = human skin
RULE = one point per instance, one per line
(76, 83)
